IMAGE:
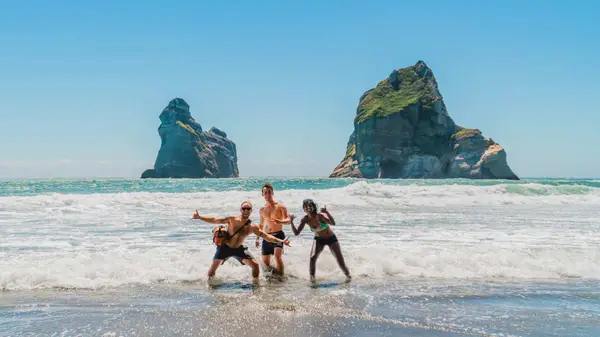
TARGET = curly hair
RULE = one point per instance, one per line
(309, 203)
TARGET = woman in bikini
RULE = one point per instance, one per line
(320, 224)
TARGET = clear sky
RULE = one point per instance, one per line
(82, 85)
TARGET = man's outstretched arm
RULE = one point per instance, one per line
(269, 237)
(209, 219)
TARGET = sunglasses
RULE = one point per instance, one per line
(246, 208)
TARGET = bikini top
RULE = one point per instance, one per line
(322, 227)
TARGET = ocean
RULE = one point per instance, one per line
(428, 258)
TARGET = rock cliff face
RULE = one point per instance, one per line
(403, 130)
(188, 152)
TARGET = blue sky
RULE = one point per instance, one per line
(82, 85)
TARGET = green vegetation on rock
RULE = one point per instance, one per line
(350, 151)
(464, 133)
(403, 88)
(187, 127)
(402, 130)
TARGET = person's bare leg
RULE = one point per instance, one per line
(267, 261)
(315, 251)
(213, 268)
(279, 260)
(253, 263)
(336, 250)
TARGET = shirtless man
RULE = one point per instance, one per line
(238, 227)
(272, 218)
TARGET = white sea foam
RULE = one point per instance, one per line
(501, 232)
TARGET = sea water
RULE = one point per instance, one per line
(428, 258)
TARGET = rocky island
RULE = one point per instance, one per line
(186, 151)
(403, 130)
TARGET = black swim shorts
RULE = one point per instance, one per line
(224, 252)
(268, 248)
(326, 241)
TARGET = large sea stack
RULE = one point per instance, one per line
(403, 130)
(188, 152)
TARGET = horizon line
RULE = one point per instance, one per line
(284, 177)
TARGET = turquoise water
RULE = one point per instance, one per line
(31, 187)
(112, 257)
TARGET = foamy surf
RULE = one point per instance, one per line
(524, 231)
(428, 258)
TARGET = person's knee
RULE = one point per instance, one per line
(252, 263)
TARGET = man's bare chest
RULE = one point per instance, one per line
(270, 212)
(238, 229)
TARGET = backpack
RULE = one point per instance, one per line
(220, 234)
